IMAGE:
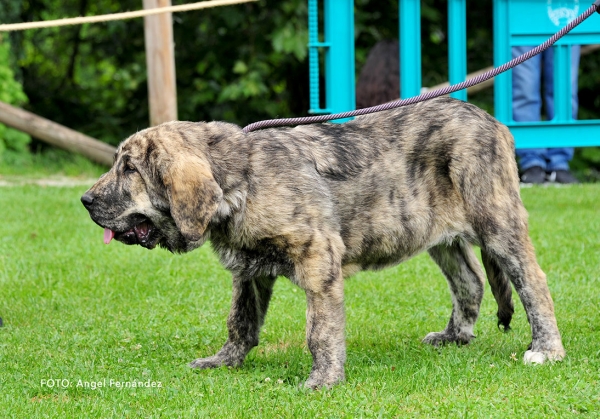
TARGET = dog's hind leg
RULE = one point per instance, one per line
(249, 305)
(465, 278)
(501, 289)
(510, 247)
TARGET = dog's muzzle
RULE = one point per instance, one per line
(143, 231)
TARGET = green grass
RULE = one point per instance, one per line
(76, 309)
(49, 162)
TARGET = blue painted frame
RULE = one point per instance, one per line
(339, 56)
(410, 46)
(339, 52)
(531, 22)
(457, 45)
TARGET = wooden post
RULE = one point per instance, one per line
(56, 134)
(160, 60)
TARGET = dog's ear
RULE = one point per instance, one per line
(193, 193)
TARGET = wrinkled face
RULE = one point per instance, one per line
(160, 190)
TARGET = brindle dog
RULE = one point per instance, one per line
(318, 203)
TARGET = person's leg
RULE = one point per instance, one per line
(559, 158)
(527, 103)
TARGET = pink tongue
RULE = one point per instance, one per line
(108, 235)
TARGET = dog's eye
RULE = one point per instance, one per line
(129, 168)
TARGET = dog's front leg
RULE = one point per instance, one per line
(325, 323)
(250, 301)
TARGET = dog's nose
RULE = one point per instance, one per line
(87, 200)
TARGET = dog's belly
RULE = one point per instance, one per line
(385, 220)
(384, 236)
(391, 248)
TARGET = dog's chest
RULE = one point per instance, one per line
(263, 258)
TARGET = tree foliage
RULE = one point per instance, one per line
(11, 92)
(237, 63)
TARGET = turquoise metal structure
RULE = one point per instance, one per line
(516, 22)
(531, 22)
(410, 48)
(339, 51)
(339, 56)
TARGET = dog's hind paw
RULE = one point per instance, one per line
(532, 357)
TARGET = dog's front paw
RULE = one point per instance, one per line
(445, 337)
(214, 361)
(436, 339)
(230, 355)
(533, 357)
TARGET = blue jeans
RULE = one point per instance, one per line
(527, 104)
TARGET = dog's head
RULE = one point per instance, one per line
(160, 189)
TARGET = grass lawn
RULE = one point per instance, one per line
(80, 312)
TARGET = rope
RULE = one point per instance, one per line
(433, 93)
(118, 16)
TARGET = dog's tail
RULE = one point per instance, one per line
(501, 289)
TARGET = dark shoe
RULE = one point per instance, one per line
(534, 175)
(562, 176)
